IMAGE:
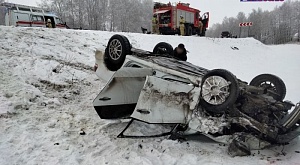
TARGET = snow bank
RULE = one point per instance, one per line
(47, 88)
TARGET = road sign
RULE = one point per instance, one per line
(245, 24)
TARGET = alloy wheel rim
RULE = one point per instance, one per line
(115, 49)
(215, 90)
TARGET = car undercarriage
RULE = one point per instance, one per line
(156, 88)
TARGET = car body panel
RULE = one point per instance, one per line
(124, 87)
(163, 101)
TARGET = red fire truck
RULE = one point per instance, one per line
(168, 17)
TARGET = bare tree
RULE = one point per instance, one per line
(271, 27)
(113, 15)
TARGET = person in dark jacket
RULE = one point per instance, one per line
(180, 52)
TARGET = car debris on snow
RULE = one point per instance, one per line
(156, 88)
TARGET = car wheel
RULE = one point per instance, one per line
(219, 90)
(163, 48)
(115, 53)
(270, 82)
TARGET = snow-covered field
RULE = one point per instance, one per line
(47, 87)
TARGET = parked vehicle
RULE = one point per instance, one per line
(27, 16)
(226, 34)
(169, 15)
(296, 37)
(155, 88)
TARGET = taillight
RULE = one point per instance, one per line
(95, 67)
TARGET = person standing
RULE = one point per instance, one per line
(155, 29)
(200, 26)
(181, 25)
(49, 24)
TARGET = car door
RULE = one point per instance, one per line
(59, 23)
(37, 21)
(3, 15)
(22, 19)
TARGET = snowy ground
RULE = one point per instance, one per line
(47, 88)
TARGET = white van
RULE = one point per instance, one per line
(27, 16)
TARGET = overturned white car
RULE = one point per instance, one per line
(155, 88)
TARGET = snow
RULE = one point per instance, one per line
(47, 88)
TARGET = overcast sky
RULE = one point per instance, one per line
(218, 8)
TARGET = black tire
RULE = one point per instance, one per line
(112, 61)
(163, 48)
(278, 85)
(232, 90)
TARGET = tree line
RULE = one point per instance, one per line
(270, 27)
(107, 15)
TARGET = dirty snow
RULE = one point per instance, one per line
(47, 88)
